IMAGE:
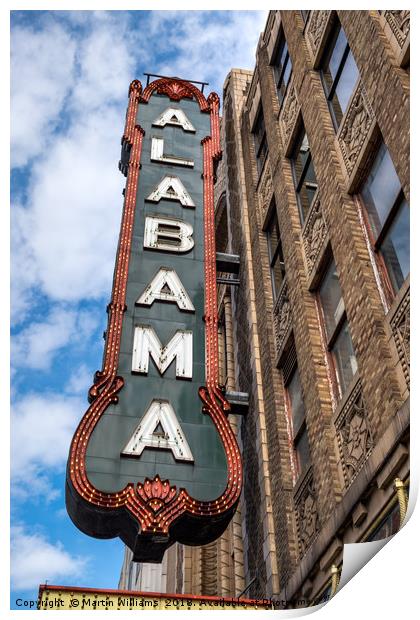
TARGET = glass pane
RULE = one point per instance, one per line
(395, 247)
(280, 58)
(294, 391)
(390, 525)
(337, 54)
(303, 455)
(273, 235)
(381, 189)
(331, 299)
(345, 359)
(301, 155)
(287, 71)
(259, 131)
(277, 274)
(306, 196)
(310, 173)
(333, 58)
(347, 82)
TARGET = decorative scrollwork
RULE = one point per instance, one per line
(177, 89)
(289, 113)
(355, 128)
(399, 22)
(306, 512)
(314, 233)
(156, 493)
(400, 325)
(315, 29)
(353, 433)
(265, 191)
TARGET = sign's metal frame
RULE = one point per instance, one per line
(151, 515)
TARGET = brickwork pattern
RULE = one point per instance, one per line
(343, 432)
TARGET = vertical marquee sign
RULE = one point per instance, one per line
(154, 459)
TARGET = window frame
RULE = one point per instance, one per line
(298, 182)
(298, 433)
(330, 92)
(278, 80)
(331, 340)
(378, 239)
(278, 252)
(260, 161)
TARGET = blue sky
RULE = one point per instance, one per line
(70, 73)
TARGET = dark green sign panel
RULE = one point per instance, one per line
(154, 459)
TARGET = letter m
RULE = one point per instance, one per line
(147, 344)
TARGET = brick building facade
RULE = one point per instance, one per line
(312, 194)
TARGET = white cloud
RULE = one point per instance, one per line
(204, 46)
(42, 426)
(65, 234)
(76, 211)
(34, 559)
(36, 346)
(105, 65)
(24, 271)
(80, 381)
(42, 66)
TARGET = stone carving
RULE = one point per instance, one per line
(306, 513)
(355, 128)
(315, 28)
(282, 317)
(399, 22)
(289, 113)
(354, 435)
(314, 233)
(400, 325)
(265, 191)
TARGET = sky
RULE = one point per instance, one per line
(70, 72)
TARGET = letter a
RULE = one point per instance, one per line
(173, 116)
(166, 286)
(171, 188)
(146, 435)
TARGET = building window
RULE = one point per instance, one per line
(340, 74)
(389, 217)
(260, 141)
(282, 67)
(337, 332)
(388, 526)
(298, 421)
(275, 253)
(304, 175)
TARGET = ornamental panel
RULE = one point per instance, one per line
(282, 317)
(316, 33)
(399, 23)
(265, 191)
(314, 235)
(306, 512)
(400, 325)
(354, 435)
(356, 134)
(288, 118)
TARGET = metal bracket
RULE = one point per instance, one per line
(227, 263)
(239, 402)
